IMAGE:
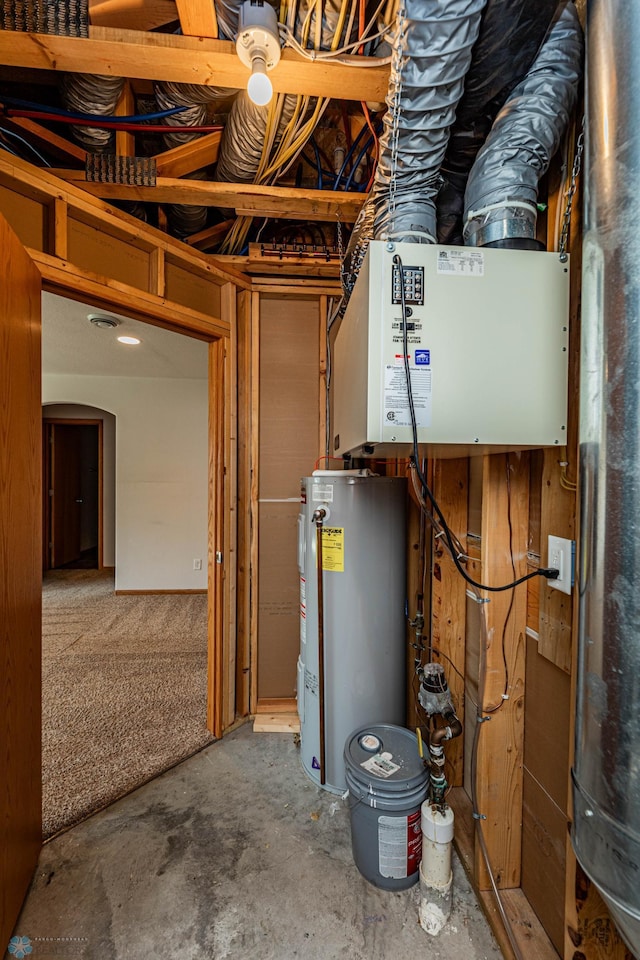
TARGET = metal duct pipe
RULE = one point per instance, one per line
(511, 32)
(432, 53)
(606, 773)
(502, 191)
(86, 93)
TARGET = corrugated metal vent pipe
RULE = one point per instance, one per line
(502, 191)
(431, 55)
(606, 774)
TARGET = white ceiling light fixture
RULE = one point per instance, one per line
(130, 341)
(258, 46)
(103, 321)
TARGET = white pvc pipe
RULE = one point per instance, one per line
(435, 869)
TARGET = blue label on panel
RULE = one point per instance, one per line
(423, 358)
(314, 764)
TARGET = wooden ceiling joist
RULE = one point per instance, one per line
(249, 200)
(163, 56)
(197, 18)
(189, 156)
(58, 146)
(132, 14)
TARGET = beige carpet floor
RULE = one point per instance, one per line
(124, 690)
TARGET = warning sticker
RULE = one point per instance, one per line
(399, 845)
(461, 263)
(396, 401)
(333, 549)
(303, 610)
(380, 766)
(322, 494)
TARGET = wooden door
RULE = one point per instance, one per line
(20, 576)
(67, 494)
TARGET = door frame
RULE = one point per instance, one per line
(46, 498)
(221, 440)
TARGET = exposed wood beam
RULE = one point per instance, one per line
(189, 156)
(208, 238)
(197, 18)
(162, 56)
(125, 140)
(247, 199)
(54, 144)
(132, 14)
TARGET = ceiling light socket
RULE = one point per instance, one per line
(258, 42)
(103, 321)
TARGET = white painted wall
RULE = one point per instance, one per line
(72, 411)
(161, 474)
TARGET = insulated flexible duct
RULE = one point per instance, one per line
(606, 774)
(88, 93)
(431, 55)
(502, 191)
(511, 32)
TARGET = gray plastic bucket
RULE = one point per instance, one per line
(387, 783)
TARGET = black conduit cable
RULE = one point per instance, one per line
(550, 573)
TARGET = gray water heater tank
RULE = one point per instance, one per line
(364, 560)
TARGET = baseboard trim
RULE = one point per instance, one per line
(149, 593)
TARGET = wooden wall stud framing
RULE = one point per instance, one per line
(505, 513)
(449, 601)
(254, 494)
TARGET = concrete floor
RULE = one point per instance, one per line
(232, 855)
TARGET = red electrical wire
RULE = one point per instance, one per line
(109, 125)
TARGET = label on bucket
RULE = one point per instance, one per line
(399, 846)
(380, 766)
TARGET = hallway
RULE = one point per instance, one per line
(233, 855)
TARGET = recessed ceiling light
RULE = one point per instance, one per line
(103, 321)
(129, 340)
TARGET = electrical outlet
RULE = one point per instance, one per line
(197, 564)
(561, 556)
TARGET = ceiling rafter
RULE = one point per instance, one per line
(253, 200)
(162, 56)
(197, 18)
(188, 157)
(132, 14)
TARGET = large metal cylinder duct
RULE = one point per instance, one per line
(500, 200)
(432, 53)
(606, 774)
(511, 32)
(86, 93)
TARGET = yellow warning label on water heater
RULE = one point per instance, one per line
(333, 549)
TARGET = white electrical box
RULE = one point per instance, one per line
(488, 337)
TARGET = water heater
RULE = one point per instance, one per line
(363, 585)
(488, 335)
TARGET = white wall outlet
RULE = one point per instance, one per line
(197, 564)
(561, 556)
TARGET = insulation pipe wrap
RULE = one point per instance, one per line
(502, 191)
(86, 93)
(432, 54)
(436, 878)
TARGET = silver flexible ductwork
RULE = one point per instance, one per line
(511, 32)
(87, 93)
(502, 191)
(606, 774)
(431, 55)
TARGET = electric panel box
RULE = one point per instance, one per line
(487, 347)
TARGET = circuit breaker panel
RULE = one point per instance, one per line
(487, 347)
